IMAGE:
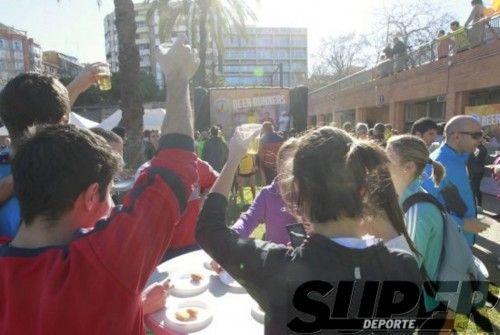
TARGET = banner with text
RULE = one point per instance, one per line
(231, 107)
(487, 115)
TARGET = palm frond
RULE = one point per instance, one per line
(152, 9)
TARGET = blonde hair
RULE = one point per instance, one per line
(410, 148)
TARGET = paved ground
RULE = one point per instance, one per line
(487, 246)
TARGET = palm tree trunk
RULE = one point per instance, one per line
(201, 75)
(130, 93)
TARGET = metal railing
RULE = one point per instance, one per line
(478, 34)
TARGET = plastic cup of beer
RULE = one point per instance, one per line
(104, 79)
(248, 129)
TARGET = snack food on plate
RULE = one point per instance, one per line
(186, 314)
(196, 278)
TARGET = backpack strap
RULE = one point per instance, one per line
(430, 287)
(422, 197)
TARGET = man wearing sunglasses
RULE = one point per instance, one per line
(462, 136)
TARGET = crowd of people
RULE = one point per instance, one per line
(72, 263)
(397, 56)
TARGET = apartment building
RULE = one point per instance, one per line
(61, 65)
(247, 62)
(255, 60)
(146, 41)
(18, 54)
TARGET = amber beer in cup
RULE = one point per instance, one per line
(248, 129)
(104, 80)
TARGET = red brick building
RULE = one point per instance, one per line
(18, 53)
(438, 88)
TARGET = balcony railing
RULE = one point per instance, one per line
(455, 42)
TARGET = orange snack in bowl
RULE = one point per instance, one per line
(182, 315)
(186, 314)
(196, 278)
(193, 313)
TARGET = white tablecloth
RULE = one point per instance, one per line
(231, 311)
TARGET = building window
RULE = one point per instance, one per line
(298, 54)
(282, 54)
(17, 45)
(430, 108)
(265, 42)
(299, 66)
(19, 66)
(281, 41)
(313, 119)
(2, 43)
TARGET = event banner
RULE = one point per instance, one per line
(488, 115)
(231, 107)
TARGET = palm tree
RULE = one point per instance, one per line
(131, 99)
(211, 19)
(130, 92)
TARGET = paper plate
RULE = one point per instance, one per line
(257, 313)
(229, 281)
(184, 286)
(202, 320)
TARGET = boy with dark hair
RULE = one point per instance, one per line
(113, 140)
(68, 162)
(120, 131)
(425, 128)
(27, 100)
(56, 278)
(20, 96)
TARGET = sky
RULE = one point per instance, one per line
(75, 27)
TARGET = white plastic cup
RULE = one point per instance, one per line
(247, 130)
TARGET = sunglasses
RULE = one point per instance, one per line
(474, 134)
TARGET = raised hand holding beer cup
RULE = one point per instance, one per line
(91, 75)
(103, 78)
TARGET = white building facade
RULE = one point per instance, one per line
(247, 62)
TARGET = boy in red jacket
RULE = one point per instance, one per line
(58, 278)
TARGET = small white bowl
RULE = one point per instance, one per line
(203, 319)
(258, 314)
(185, 287)
(229, 281)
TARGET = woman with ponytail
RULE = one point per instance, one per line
(408, 155)
(340, 186)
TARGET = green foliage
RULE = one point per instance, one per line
(212, 18)
(150, 90)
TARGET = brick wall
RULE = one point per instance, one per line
(453, 77)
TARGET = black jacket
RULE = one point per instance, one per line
(215, 152)
(272, 273)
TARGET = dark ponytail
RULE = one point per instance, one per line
(368, 164)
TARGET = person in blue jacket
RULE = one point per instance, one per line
(462, 136)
